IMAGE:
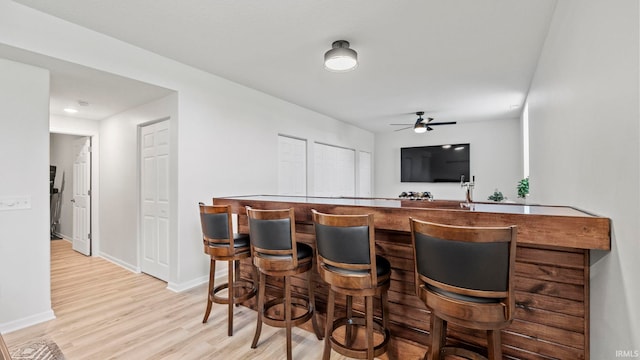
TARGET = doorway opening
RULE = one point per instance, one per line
(72, 218)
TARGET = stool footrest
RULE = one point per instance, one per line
(458, 351)
(242, 291)
(359, 353)
(296, 302)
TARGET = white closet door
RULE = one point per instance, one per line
(364, 174)
(292, 166)
(154, 192)
(82, 196)
(334, 171)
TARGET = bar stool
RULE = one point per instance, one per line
(345, 246)
(221, 244)
(465, 276)
(277, 253)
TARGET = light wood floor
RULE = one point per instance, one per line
(106, 312)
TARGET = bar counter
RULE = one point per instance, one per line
(552, 268)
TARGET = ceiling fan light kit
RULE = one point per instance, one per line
(420, 127)
(340, 58)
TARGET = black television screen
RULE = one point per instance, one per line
(442, 163)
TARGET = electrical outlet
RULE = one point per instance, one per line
(15, 202)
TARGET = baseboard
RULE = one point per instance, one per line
(180, 287)
(63, 236)
(132, 268)
(27, 321)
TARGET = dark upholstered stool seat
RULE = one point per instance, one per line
(475, 299)
(239, 241)
(383, 268)
(304, 251)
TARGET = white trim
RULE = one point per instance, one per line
(132, 268)
(27, 321)
(180, 287)
(525, 140)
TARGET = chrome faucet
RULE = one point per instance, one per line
(468, 186)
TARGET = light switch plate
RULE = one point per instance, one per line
(15, 202)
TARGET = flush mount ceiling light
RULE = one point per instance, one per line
(340, 58)
(70, 110)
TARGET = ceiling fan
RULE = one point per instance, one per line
(423, 125)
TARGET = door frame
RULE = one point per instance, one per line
(94, 223)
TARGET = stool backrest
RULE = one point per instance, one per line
(272, 234)
(217, 229)
(345, 244)
(476, 262)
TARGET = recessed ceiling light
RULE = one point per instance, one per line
(70, 110)
(459, 148)
(446, 146)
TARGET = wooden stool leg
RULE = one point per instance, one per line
(212, 277)
(348, 336)
(237, 276)
(312, 301)
(287, 313)
(328, 327)
(261, 295)
(438, 335)
(384, 299)
(494, 344)
(369, 311)
(230, 294)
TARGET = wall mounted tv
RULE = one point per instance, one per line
(442, 163)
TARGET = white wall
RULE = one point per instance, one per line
(119, 181)
(585, 134)
(227, 133)
(73, 126)
(495, 159)
(24, 163)
(62, 155)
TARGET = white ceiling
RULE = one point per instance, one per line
(458, 60)
(106, 94)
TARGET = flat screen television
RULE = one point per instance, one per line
(441, 163)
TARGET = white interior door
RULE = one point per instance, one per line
(154, 192)
(81, 200)
(292, 166)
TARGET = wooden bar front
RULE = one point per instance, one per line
(552, 269)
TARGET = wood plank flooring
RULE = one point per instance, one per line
(106, 312)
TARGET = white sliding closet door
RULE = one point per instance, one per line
(292, 166)
(364, 174)
(334, 171)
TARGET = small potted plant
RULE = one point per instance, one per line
(523, 188)
(497, 196)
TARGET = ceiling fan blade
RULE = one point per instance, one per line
(429, 128)
(404, 128)
(443, 123)
(428, 120)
